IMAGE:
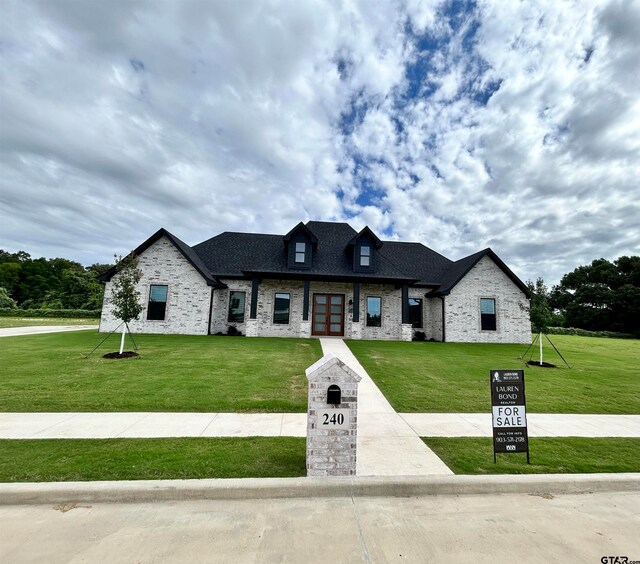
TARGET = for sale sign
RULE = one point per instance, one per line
(509, 412)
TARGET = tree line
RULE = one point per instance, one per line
(602, 296)
(42, 283)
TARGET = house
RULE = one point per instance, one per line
(324, 279)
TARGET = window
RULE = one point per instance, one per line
(365, 256)
(415, 313)
(236, 307)
(300, 251)
(281, 308)
(157, 307)
(374, 308)
(488, 314)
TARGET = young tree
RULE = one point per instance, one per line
(540, 311)
(125, 297)
(6, 300)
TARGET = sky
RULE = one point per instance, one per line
(462, 125)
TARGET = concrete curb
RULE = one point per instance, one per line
(147, 491)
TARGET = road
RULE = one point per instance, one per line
(471, 528)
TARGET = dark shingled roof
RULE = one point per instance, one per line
(242, 255)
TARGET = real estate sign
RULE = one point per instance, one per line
(509, 412)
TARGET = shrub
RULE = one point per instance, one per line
(419, 336)
(233, 331)
(585, 333)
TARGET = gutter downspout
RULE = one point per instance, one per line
(444, 339)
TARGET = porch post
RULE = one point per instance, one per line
(254, 298)
(305, 301)
(405, 304)
(356, 302)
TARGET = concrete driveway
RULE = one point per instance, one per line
(38, 329)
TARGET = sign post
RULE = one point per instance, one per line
(509, 410)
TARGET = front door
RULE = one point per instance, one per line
(328, 315)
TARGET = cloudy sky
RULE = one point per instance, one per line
(462, 125)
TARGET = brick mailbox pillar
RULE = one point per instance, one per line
(332, 418)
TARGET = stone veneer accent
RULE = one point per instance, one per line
(188, 296)
(462, 307)
(331, 452)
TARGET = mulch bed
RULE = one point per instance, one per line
(543, 365)
(125, 354)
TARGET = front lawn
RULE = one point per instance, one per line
(173, 373)
(454, 377)
(549, 455)
(65, 460)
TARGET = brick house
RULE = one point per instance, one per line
(324, 278)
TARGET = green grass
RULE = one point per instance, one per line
(454, 377)
(548, 456)
(173, 373)
(6, 322)
(150, 459)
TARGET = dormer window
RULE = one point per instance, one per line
(365, 256)
(300, 244)
(363, 248)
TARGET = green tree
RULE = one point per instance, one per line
(125, 297)
(539, 310)
(602, 296)
(6, 301)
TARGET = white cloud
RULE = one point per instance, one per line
(209, 116)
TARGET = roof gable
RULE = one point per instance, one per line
(186, 251)
(461, 268)
(366, 233)
(301, 228)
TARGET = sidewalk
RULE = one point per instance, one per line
(538, 425)
(170, 424)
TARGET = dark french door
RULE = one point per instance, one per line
(328, 315)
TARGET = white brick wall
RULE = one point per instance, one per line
(188, 295)
(433, 322)
(462, 307)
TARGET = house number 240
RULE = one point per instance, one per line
(335, 419)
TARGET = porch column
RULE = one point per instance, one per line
(356, 302)
(405, 304)
(305, 301)
(255, 283)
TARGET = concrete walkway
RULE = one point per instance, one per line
(387, 445)
(38, 329)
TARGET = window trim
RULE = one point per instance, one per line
(166, 303)
(495, 313)
(244, 307)
(366, 313)
(273, 318)
(302, 253)
(366, 256)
